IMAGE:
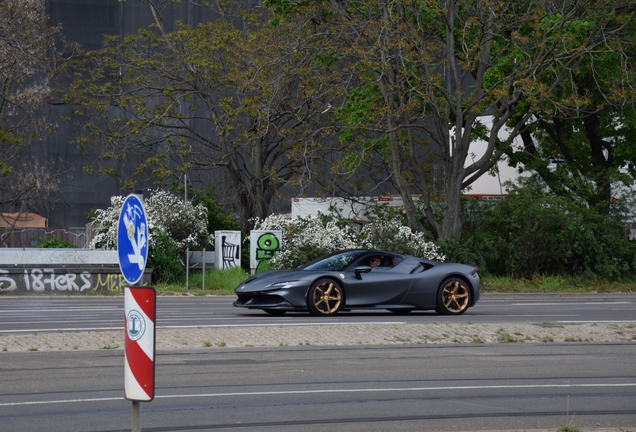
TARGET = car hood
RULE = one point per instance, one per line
(261, 281)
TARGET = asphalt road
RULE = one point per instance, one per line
(463, 387)
(53, 313)
(407, 388)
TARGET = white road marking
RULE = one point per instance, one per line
(118, 319)
(545, 315)
(281, 324)
(160, 327)
(75, 309)
(597, 322)
(571, 303)
(332, 391)
(62, 330)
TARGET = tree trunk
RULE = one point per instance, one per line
(402, 185)
(451, 225)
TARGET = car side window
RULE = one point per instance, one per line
(379, 262)
(376, 262)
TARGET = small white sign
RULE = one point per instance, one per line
(227, 249)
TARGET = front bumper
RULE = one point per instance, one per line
(267, 300)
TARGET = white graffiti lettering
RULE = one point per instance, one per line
(42, 280)
(7, 280)
(36, 280)
(86, 277)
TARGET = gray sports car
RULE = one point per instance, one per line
(363, 279)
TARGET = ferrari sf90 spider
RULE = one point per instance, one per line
(363, 279)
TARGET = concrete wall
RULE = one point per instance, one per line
(62, 271)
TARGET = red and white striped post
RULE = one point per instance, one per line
(139, 373)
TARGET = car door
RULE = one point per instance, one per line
(376, 287)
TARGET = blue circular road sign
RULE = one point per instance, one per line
(132, 239)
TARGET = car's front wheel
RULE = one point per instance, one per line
(325, 297)
(453, 297)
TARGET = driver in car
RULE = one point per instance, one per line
(375, 261)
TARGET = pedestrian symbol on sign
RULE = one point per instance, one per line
(132, 239)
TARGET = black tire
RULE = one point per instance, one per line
(275, 312)
(400, 311)
(453, 297)
(325, 297)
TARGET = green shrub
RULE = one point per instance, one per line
(218, 218)
(164, 257)
(533, 232)
(53, 243)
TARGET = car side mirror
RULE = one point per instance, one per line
(361, 269)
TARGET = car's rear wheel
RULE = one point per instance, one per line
(276, 312)
(400, 311)
(325, 297)
(453, 297)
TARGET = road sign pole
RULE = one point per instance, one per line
(136, 416)
(203, 272)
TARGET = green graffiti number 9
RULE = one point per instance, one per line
(268, 242)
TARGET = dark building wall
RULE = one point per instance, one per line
(87, 22)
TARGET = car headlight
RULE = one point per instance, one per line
(282, 285)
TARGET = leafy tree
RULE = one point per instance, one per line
(28, 59)
(418, 77)
(225, 96)
(588, 150)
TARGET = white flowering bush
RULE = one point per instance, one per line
(305, 239)
(105, 225)
(395, 237)
(173, 226)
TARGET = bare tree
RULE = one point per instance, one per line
(27, 60)
(222, 96)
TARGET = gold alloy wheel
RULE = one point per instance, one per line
(327, 297)
(455, 296)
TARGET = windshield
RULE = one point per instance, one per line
(334, 262)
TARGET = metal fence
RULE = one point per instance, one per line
(32, 237)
